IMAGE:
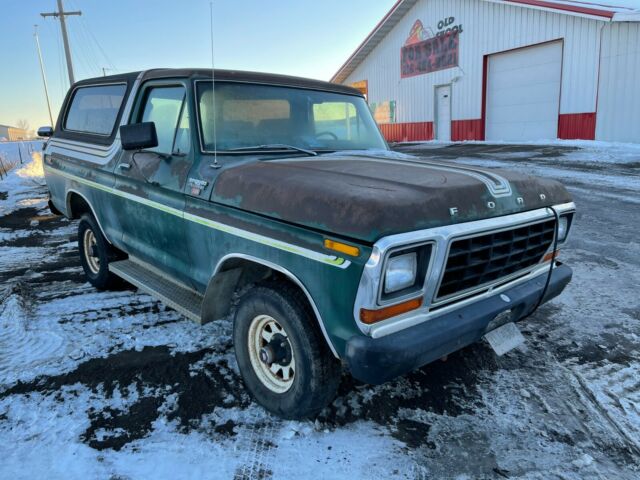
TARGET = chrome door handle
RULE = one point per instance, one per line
(125, 166)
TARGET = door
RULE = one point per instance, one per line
(443, 113)
(151, 182)
(523, 93)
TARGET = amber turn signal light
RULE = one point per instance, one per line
(341, 247)
(550, 256)
(374, 316)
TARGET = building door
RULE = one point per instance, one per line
(443, 113)
(523, 93)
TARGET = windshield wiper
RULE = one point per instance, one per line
(274, 146)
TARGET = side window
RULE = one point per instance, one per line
(94, 110)
(336, 119)
(163, 106)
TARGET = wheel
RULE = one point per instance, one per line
(283, 358)
(95, 254)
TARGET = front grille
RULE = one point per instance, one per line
(484, 259)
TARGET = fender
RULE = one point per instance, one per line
(93, 212)
(286, 273)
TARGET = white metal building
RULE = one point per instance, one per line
(503, 70)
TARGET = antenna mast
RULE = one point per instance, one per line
(213, 94)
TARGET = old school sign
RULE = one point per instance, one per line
(421, 55)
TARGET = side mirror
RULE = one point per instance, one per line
(138, 136)
(45, 131)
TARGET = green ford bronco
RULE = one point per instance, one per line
(277, 199)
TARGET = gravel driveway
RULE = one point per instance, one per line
(114, 385)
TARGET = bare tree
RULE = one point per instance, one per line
(23, 124)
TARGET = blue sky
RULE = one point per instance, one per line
(310, 38)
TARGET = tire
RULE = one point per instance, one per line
(314, 373)
(95, 255)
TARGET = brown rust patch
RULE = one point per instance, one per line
(366, 199)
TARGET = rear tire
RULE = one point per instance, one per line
(95, 254)
(274, 322)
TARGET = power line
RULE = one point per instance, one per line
(60, 52)
(61, 14)
(44, 77)
(85, 25)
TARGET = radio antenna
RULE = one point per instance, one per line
(213, 94)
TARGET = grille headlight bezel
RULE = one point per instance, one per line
(419, 256)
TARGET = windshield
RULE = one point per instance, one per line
(248, 115)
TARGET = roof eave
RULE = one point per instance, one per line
(388, 22)
(626, 17)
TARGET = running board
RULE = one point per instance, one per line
(150, 280)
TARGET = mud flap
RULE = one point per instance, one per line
(505, 338)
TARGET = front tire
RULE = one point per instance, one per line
(283, 358)
(95, 254)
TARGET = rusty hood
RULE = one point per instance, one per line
(366, 197)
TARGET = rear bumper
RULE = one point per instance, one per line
(377, 360)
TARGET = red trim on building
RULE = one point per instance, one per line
(485, 73)
(467, 130)
(565, 7)
(577, 126)
(407, 132)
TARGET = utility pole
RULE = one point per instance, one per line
(61, 14)
(44, 77)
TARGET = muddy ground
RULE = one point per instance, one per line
(115, 385)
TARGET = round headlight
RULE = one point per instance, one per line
(563, 228)
(400, 272)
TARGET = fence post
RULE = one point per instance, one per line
(20, 152)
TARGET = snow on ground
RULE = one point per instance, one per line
(583, 151)
(13, 154)
(115, 385)
(21, 182)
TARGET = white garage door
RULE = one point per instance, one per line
(523, 93)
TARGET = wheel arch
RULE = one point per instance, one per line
(219, 291)
(77, 203)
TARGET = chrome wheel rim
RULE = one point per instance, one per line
(264, 333)
(89, 242)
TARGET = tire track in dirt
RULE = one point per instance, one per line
(23, 346)
(256, 441)
(613, 388)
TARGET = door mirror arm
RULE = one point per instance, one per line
(164, 156)
(133, 161)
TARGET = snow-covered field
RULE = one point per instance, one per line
(114, 385)
(13, 153)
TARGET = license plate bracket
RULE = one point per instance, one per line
(504, 338)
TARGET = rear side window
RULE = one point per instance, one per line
(94, 110)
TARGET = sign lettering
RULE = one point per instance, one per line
(431, 55)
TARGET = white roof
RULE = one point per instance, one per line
(612, 9)
(605, 10)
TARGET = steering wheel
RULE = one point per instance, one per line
(331, 134)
